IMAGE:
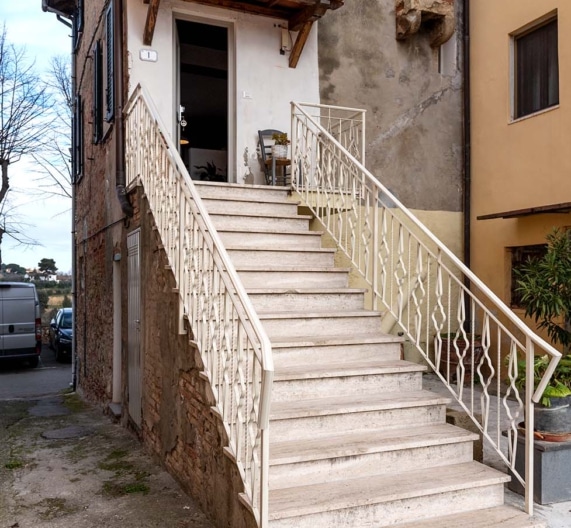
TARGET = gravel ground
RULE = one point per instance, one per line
(63, 464)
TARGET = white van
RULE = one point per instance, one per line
(20, 324)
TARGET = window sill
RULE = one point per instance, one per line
(539, 112)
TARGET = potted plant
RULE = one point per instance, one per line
(209, 172)
(279, 148)
(553, 415)
(545, 288)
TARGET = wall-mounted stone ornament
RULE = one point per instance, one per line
(436, 15)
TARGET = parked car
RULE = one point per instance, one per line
(61, 333)
(20, 324)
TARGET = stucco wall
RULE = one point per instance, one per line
(264, 84)
(515, 164)
(414, 113)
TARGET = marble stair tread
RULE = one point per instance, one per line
(318, 313)
(233, 247)
(364, 442)
(354, 403)
(377, 489)
(498, 517)
(354, 339)
(259, 186)
(349, 367)
(253, 201)
(281, 291)
(255, 214)
(269, 230)
(285, 269)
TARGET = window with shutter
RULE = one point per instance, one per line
(77, 26)
(97, 92)
(536, 69)
(77, 137)
(109, 66)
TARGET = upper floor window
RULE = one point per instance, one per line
(109, 82)
(536, 69)
(97, 92)
(77, 26)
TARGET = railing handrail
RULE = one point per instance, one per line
(403, 262)
(265, 345)
(253, 466)
(498, 303)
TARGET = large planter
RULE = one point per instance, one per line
(452, 359)
(554, 419)
(552, 460)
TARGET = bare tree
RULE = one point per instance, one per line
(12, 225)
(23, 110)
(54, 158)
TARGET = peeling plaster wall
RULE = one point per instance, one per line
(414, 113)
(263, 81)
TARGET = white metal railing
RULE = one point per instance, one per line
(424, 290)
(234, 347)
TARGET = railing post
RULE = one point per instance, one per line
(265, 476)
(293, 135)
(529, 426)
(375, 285)
(363, 148)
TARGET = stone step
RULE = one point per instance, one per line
(312, 257)
(281, 324)
(254, 221)
(227, 205)
(310, 379)
(498, 517)
(270, 239)
(292, 277)
(309, 418)
(374, 452)
(257, 193)
(311, 299)
(380, 501)
(291, 350)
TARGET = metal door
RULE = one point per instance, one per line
(134, 362)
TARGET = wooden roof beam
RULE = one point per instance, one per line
(299, 44)
(151, 22)
(308, 14)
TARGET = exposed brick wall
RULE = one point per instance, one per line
(97, 229)
(178, 424)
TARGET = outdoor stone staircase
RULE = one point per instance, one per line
(354, 440)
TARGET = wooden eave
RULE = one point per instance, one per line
(299, 14)
(560, 208)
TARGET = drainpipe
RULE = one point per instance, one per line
(467, 147)
(120, 180)
(64, 19)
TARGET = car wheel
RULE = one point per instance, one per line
(33, 361)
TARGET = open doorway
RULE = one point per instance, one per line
(203, 96)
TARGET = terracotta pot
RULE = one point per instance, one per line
(453, 359)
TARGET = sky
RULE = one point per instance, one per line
(47, 219)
